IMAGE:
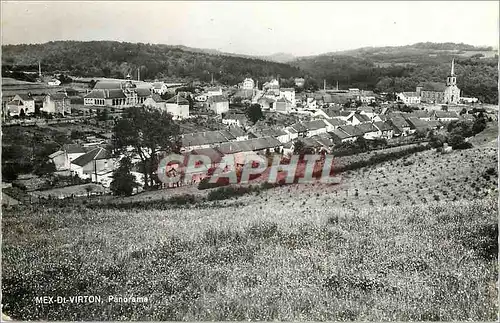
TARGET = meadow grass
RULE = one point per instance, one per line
(436, 261)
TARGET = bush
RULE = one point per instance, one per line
(224, 193)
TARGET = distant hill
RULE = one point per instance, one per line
(279, 57)
(401, 68)
(117, 59)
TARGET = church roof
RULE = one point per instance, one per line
(433, 86)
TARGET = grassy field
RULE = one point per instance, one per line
(377, 246)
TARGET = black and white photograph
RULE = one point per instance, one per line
(249, 160)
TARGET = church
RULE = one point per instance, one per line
(433, 92)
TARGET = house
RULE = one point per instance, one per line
(248, 84)
(262, 145)
(93, 164)
(369, 130)
(238, 119)
(201, 98)
(385, 130)
(324, 140)
(315, 127)
(54, 82)
(214, 91)
(333, 124)
(280, 134)
(299, 82)
(418, 125)
(420, 114)
(201, 140)
(237, 133)
(311, 103)
(57, 103)
(155, 101)
(28, 103)
(352, 131)
(218, 103)
(400, 125)
(297, 130)
(178, 107)
(288, 94)
(328, 112)
(213, 154)
(357, 118)
(343, 115)
(14, 108)
(283, 105)
(159, 88)
(367, 111)
(444, 116)
(63, 157)
(409, 97)
(338, 136)
(266, 103)
(60, 160)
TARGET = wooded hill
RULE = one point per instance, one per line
(395, 69)
(117, 59)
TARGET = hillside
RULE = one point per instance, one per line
(116, 59)
(407, 240)
(395, 69)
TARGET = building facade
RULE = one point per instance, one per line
(248, 84)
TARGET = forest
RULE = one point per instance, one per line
(382, 69)
(117, 59)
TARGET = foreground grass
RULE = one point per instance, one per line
(425, 262)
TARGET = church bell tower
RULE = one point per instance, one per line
(452, 79)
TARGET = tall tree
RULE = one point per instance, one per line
(123, 180)
(254, 113)
(146, 133)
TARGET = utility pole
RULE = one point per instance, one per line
(138, 74)
(324, 85)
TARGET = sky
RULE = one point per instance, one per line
(254, 27)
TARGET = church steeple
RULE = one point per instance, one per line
(451, 80)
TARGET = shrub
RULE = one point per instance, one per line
(224, 193)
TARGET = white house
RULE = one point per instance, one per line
(54, 82)
(238, 119)
(289, 94)
(178, 107)
(384, 129)
(369, 130)
(201, 98)
(214, 91)
(155, 101)
(444, 116)
(248, 84)
(409, 97)
(98, 161)
(357, 118)
(159, 88)
(28, 102)
(315, 127)
(57, 103)
(218, 103)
